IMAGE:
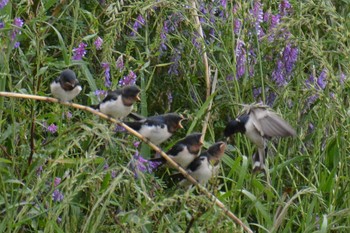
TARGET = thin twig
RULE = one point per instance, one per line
(204, 55)
(207, 117)
(135, 133)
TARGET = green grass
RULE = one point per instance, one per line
(308, 188)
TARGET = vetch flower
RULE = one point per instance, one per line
(240, 59)
(284, 7)
(3, 3)
(120, 63)
(173, 69)
(136, 144)
(80, 52)
(105, 166)
(98, 43)
(321, 81)
(106, 68)
(52, 128)
(57, 196)
(237, 26)
(39, 170)
(16, 45)
(278, 75)
(130, 79)
(342, 78)
(2, 25)
(139, 22)
(119, 128)
(57, 181)
(101, 94)
(258, 15)
(310, 81)
(290, 56)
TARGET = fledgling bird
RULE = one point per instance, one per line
(158, 129)
(184, 151)
(66, 86)
(119, 103)
(259, 123)
(204, 167)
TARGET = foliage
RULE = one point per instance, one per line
(68, 171)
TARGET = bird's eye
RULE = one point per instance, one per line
(202, 158)
(162, 126)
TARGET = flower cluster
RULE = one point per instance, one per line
(106, 68)
(80, 52)
(130, 79)
(18, 22)
(139, 22)
(57, 196)
(98, 43)
(3, 3)
(285, 64)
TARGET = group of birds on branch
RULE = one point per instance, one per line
(257, 122)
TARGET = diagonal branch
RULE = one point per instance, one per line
(135, 133)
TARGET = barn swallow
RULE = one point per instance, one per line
(157, 129)
(259, 123)
(119, 103)
(66, 86)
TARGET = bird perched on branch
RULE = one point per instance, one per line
(204, 167)
(158, 129)
(119, 103)
(184, 151)
(259, 123)
(66, 86)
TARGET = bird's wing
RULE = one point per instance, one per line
(111, 95)
(269, 124)
(136, 116)
(135, 125)
(177, 148)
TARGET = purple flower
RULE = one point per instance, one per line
(195, 39)
(101, 94)
(69, 115)
(3, 3)
(237, 26)
(321, 81)
(57, 196)
(52, 128)
(120, 63)
(139, 22)
(290, 56)
(106, 68)
(18, 22)
(57, 181)
(136, 144)
(311, 100)
(144, 165)
(278, 75)
(258, 15)
(119, 128)
(275, 20)
(271, 98)
(130, 79)
(173, 69)
(240, 59)
(105, 166)
(80, 52)
(284, 7)
(256, 92)
(113, 174)
(98, 43)
(16, 45)
(310, 81)
(224, 3)
(2, 24)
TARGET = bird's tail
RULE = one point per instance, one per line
(259, 160)
(96, 106)
(136, 116)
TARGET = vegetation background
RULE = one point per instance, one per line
(64, 170)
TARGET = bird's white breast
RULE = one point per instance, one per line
(155, 133)
(203, 173)
(184, 158)
(65, 96)
(115, 108)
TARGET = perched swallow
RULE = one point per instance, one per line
(184, 151)
(259, 123)
(65, 87)
(119, 103)
(157, 129)
(205, 166)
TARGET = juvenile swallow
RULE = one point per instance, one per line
(66, 86)
(184, 151)
(205, 166)
(119, 103)
(259, 123)
(157, 129)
